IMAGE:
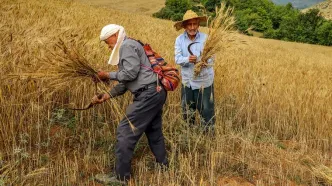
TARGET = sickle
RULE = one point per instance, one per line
(85, 108)
(88, 106)
(189, 50)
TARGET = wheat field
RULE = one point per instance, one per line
(147, 7)
(273, 107)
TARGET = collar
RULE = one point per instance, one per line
(196, 37)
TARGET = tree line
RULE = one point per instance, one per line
(283, 22)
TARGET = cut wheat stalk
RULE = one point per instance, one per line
(62, 69)
(221, 32)
(80, 67)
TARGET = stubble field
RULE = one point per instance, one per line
(273, 107)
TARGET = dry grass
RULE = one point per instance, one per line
(147, 7)
(273, 105)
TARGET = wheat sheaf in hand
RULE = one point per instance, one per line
(221, 35)
(71, 64)
(61, 68)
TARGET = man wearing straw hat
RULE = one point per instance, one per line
(197, 91)
(145, 113)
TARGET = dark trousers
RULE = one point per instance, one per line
(201, 100)
(145, 113)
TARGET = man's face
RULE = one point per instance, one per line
(191, 26)
(111, 41)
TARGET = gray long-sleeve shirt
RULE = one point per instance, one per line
(134, 72)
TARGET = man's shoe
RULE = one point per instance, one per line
(109, 180)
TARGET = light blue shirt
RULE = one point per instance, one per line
(206, 77)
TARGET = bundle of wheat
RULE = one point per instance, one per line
(58, 70)
(66, 67)
(221, 35)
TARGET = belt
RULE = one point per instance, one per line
(146, 87)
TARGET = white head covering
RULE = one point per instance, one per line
(108, 31)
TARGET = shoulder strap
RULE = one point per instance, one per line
(140, 42)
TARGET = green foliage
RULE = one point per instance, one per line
(324, 33)
(282, 22)
(210, 5)
(308, 27)
(174, 10)
(279, 13)
(63, 117)
(258, 14)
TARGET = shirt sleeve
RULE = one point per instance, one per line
(179, 58)
(118, 90)
(130, 62)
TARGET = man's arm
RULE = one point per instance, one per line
(118, 90)
(179, 59)
(131, 65)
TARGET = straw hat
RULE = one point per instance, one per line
(187, 16)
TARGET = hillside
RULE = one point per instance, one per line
(273, 106)
(152, 6)
(147, 7)
(300, 4)
(325, 7)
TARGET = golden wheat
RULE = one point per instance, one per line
(273, 107)
(221, 35)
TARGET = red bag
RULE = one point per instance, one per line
(168, 75)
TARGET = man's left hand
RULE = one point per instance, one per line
(192, 59)
(100, 98)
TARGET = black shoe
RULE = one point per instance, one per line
(109, 180)
(163, 166)
(157, 165)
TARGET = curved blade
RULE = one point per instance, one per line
(88, 106)
(85, 108)
(189, 48)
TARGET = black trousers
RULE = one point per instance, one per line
(201, 100)
(145, 113)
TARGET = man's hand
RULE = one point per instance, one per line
(192, 59)
(100, 98)
(101, 76)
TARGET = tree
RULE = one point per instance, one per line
(252, 13)
(178, 6)
(309, 27)
(210, 5)
(173, 10)
(280, 12)
(275, 21)
(324, 33)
